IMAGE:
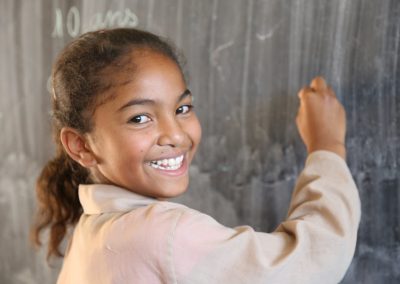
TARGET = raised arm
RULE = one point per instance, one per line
(316, 242)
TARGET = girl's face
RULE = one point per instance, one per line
(145, 137)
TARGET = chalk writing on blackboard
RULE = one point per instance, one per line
(72, 23)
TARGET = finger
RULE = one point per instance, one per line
(304, 91)
(319, 84)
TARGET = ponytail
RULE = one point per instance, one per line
(58, 200)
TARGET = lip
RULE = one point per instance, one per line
(170, 156)
(173, 173)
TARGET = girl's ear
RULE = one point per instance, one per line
(76, 147)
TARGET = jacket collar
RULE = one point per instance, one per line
(104, 198)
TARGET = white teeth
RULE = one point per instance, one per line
(168, 164)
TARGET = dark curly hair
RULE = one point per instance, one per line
(82, 73)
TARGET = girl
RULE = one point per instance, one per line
(126, 134)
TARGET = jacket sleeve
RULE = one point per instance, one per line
(315, 244)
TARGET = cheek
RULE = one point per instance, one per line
(136, 146)
(194, 131)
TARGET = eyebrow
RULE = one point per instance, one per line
(134, 102)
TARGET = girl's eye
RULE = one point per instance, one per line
(140, 119)
(184, 109)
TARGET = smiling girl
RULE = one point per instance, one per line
(126, 134)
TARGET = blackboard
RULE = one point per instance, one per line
(246, 60)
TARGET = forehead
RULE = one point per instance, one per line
(154, 68)
(141, 68)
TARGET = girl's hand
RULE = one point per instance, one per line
(321, 119)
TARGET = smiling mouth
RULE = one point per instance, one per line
(170, 164)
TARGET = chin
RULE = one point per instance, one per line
(170, 193)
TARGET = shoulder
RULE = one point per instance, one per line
(143, 231)
(157, 220)
(167, 223)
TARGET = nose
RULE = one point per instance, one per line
(171, 133)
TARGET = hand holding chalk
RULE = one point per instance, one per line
(321, 118)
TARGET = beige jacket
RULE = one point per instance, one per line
(123, 237)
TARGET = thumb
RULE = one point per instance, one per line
(319, 84)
